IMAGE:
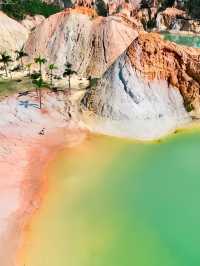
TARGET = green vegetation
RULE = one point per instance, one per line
(8, 87)
(30, 80)
(20, 54)
(28, 67)
(26, 83)
(93, 82)
(193, 7)
(68, 72)
(5, 59)
(40, 61)
(101, 8)
(188, 106)
(40, 84)
(51, 67)
(18, 9)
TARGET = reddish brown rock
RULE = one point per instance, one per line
(157, 59)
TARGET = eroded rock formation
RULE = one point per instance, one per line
(178, 20)
(146, 92)
(12, 34)
(91, 44)
(170, 18)
(30, 22)
(179, 65)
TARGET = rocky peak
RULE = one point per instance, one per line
(147, 90)
(91, 44)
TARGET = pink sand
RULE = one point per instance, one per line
(24, 154)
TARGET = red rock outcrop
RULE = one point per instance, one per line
(141, 94)
(157, 59)
(91, 44)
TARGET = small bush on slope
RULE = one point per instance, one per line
(101, 8)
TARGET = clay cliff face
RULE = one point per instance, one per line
(12, 34)
(146, 92)
(179, 65)
(124, 103)
(91, 44)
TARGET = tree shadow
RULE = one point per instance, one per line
(27, 104)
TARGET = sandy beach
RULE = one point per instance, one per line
(30, 138)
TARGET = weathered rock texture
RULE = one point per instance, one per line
(145, 92)
(125, 104)
(168, 19)
(113, 6)
(31, 22)
(178, 20)
(163, 60)
(91, 44)
(12, 34)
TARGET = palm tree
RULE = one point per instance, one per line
(40, 60)
(35, 76)
(28, 66)
(39, 83)
(20, 54)
(68, 72)
(5, 59)
(51, 68)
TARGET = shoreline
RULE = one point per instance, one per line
(29, 138)
(32, 186)
(24, 156)
(38, 183)
(180, 33)
(34, 234)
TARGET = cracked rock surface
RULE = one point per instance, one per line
(144, 93)
(90, 44)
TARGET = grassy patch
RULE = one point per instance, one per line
(8, 87)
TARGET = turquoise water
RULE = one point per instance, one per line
(114, 202)
(188, 40)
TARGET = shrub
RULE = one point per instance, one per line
(101, 8)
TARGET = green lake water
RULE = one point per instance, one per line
(188, 40)
(114, 202)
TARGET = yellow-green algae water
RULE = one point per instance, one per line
(115, 202)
